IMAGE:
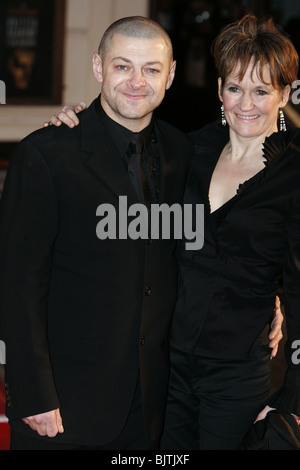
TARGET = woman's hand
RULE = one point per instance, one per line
(66, 115)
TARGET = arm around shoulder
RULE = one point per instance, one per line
(287, 399)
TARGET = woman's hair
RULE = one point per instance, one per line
(261, 41)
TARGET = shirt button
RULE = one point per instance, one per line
(142, 340)
(148, 290)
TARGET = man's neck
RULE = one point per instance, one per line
(132, 124)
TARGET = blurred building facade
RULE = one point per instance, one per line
(85, 21)
(192, 25)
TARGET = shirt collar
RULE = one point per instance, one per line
(120, 134)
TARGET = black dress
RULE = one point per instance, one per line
(220, 374)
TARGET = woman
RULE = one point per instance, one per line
(246, 172)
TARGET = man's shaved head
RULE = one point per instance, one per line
(138, 27)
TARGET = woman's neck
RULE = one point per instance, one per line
(240, 147)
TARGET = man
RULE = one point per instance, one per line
(85, 320)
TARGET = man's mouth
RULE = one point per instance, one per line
(134, 96)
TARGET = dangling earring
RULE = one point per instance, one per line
(224, 122)
(282, 125)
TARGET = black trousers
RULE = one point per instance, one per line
(213, 402)
(132, 437)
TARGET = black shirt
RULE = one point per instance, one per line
(122, 137)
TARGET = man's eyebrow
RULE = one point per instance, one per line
(122, 58)
(128, 61)
(157, 62)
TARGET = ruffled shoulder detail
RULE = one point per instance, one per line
(275, 145)
(273, 148)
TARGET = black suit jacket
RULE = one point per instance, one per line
(81, 316)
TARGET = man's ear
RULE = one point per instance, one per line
(171, 75)
(97, 67)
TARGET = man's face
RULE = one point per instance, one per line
(135, 73)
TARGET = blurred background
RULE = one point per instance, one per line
(46, 61)
(46, 50)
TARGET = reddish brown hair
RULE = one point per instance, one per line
(258, 40)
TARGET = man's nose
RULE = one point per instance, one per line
(137, 79)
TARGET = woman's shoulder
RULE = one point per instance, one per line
(295, 138)
(210, 135)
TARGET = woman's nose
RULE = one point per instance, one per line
(246, 103)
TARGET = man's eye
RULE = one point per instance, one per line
(122, 67)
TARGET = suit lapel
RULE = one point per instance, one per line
(103, 158)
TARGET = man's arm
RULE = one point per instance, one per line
(29, 219)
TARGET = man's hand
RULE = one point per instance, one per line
(276, 335)
(67, 115)
(46, 424)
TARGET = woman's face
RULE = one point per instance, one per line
(251, 106)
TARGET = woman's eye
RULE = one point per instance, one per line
(261, 92)
(233, 89)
